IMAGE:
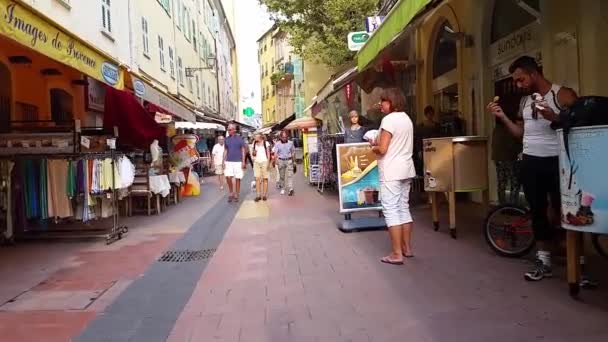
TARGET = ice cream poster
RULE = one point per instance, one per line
(583, 185)
(359, 179)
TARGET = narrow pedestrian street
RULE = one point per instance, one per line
(281, 271)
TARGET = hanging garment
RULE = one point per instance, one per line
(59, 204)
(33, 189)
(80, 177)
(126, 170)
(70, 188)
(43, 190)
(19, 201)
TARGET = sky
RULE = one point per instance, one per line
(251, 22)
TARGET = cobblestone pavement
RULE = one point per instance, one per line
(283, 272)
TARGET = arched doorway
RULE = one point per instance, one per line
(445, 79)
(514, 32)
(62, 105)
(5, 97)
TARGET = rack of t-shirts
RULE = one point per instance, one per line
(62, 195)
(327, 160)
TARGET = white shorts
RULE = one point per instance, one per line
(234, 169)
(219, 169)
(395, 198)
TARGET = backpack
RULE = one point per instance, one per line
(586, 111)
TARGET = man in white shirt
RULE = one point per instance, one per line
(218, 160)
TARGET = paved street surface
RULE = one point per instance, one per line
(282, 272)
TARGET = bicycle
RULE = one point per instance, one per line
(514, 237)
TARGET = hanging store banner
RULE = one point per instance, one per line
(22, 25)
(358, 178)
(150, 94)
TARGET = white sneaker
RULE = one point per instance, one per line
(283, 192)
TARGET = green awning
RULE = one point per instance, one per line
(398, 18)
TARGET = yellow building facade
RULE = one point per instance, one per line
(462, 50)
(266, 59)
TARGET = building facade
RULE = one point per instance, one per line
(183, 48)
(266, 55)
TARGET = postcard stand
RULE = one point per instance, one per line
(358, 187)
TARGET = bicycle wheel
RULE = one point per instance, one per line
(600, 243)
(508, 231)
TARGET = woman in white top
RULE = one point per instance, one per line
(217, 154)
(394, 148)
(261, 166)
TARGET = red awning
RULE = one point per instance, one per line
(136, 127)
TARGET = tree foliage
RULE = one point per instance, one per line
(318, 29)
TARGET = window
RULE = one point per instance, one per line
(189, 84)
(171, 63)
(61, 105)
(179, 14)
(106, 17)
(194, 36)
(161, 53)
(183, 20)
(145, 43)
(65, 3)
(166, 5)
(180, 71)
(198, 87)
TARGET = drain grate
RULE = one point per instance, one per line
(186, 256)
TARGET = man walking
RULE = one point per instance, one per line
(234, 162)
(540, 163)
(285, 157)
(217, 154)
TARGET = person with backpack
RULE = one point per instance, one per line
(261, 152)
(540, 161)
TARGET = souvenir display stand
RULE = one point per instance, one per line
(455, 164)
(45, 187)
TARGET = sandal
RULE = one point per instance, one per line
(387, 260)
(408, 255)
(230, 199)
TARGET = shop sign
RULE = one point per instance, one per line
(356, 40)
(501, 71)
(358, 178)
(96, 96)
(25, 27)
(372, 23)
(162, 118)
(140, 88)
(516, 44)
(150, 94)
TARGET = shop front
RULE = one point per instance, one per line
(46, 77)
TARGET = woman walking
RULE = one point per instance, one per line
(261, 166)
(394, 148)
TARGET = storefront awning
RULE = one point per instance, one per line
(200, 125)
(210, 117)
(397, 19)
(147, 92)
(302, 123)
(33, 30)
(345, 78)
(281, 125)
(136, 127)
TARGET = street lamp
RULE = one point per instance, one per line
(211, 65)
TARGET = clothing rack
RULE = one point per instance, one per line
(328, 174)
(111, 234)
